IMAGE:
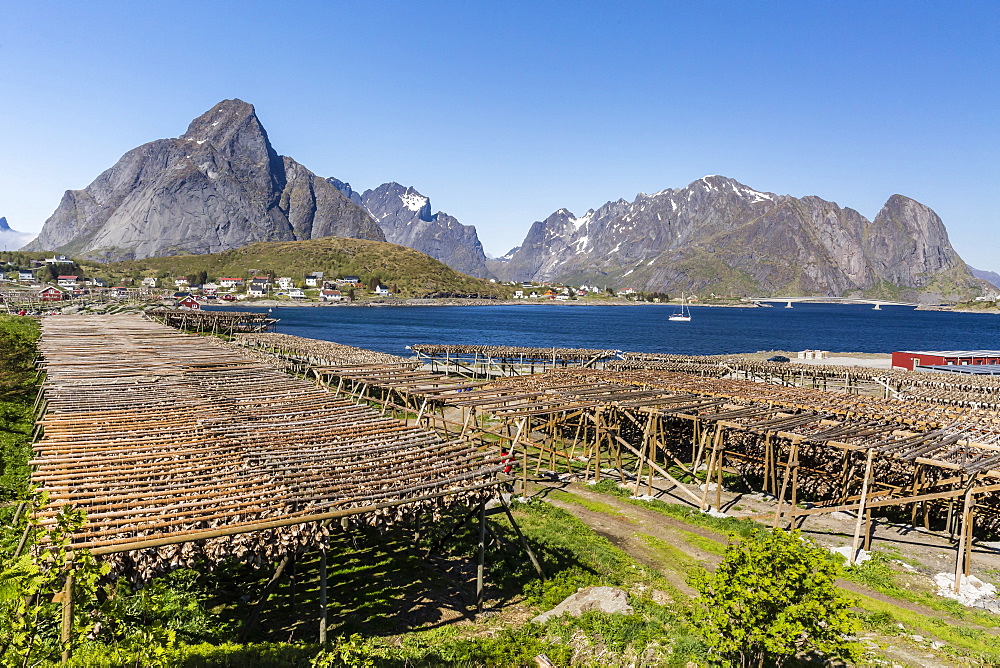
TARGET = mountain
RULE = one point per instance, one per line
(406, 219)
(218, 186)
(12, 239)
(719, 235)
(991, 277)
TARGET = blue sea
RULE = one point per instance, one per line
(833, 327)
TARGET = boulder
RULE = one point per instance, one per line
(590, 599)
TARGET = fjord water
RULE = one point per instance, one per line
(833, 327)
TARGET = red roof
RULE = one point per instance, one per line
(69, 277)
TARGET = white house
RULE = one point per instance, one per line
(286, 283)
(256, 289)
(67, 281)
(331, 295)
(518, 294)
(314, 280)
(382, 291)
(297, 293)
(231, 282)
(58, 259)
(25, 276)
(209, 289)
(181, 281)
(149, 282)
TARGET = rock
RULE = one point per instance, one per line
(218, 186)
(845, 551)
(972, 592)
(590, 599)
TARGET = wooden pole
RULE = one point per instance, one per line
(66, 634)
(792, 455)
(322, 594)
(521, 538)
(482, 557)
(864, 497)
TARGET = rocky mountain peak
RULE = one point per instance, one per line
(4, 227)
(228, 125)
(406, 218)
(218, 186)
(717, 234)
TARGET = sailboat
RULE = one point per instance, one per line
(684, 315)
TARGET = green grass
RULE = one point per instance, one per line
(703, 544)
(595, 506)
(668, 556)
(878, 574)
(687, 514)
(981, 647)
(18, 336)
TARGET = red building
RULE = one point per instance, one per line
(910, 359)
(189, 302)
(51, 294)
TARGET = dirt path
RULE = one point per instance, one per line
(629, 527)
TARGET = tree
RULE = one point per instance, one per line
(772, 597)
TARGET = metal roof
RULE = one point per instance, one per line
(954, 353)
(974, 369)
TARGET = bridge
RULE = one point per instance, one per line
(788, 301)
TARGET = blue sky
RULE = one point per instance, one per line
(503, 112)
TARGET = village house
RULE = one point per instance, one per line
(314, 280)
(149, 282)
(331, 295)
(382, 291)
(297, 293)
(286, 283)
(259, 286)
(97, 283)
(189, 302)
(231, 282)
(210, 289)
(68, 281)
(518, 294)
(58, 259)
(181, 282)
(52, 294)
(25, 276)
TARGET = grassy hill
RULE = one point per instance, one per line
(408, 273)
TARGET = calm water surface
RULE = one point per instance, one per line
(834, 327)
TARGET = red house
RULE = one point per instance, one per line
(51, 294)
(910, 359)
(189, 302)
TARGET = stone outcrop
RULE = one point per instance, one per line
(609, 600)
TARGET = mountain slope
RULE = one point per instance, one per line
(407, 272)
(218, 186)
(11, 239)
(720, 235)
(406, 218)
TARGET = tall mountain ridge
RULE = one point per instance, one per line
(218, 186)
(719, 235)
(406, 219)
(221, 185)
